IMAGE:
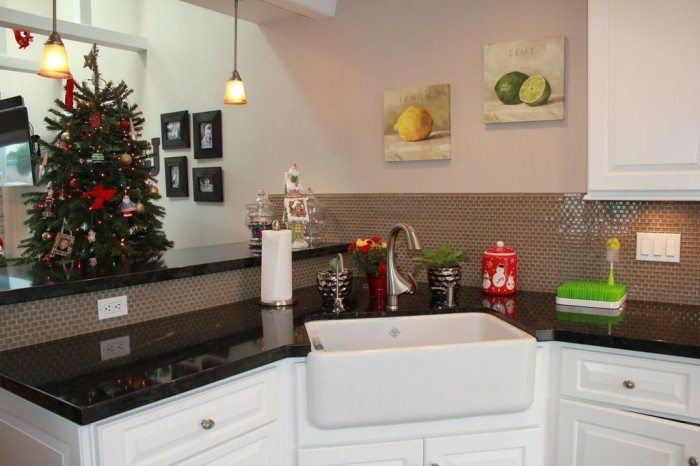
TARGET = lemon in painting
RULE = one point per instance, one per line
(535, 91)
(414, 124)
(508, 87)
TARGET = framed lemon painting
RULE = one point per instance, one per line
(524, 80)
(417, 124)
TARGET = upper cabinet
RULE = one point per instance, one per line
(644, 99)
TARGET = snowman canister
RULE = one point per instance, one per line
(499, 270)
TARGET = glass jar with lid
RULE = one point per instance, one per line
(259, 218)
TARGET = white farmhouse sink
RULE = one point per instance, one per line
(390, 370)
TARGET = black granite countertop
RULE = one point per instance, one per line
(40, 281)
(176, 354)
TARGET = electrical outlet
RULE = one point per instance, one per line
(112, 307)
(115, 348)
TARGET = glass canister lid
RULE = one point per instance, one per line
(261, 205)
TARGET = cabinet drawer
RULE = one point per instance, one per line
(172, 432)
(659, 386)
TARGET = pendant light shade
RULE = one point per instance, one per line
(54, 59)
(235, 89)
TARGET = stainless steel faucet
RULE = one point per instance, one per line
(397, 283)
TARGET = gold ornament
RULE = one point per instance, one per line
(126, 158)
(46, 236)
(140, 207)
(153, 190)
(65, 136)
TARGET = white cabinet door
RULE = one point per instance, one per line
(597, 436)
(403, 453)
(258, 448)
(643, 97)
(512, 448)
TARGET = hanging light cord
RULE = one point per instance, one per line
(235, 36)
(54, 15)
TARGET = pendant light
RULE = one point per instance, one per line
(235, 90)
(54, 60)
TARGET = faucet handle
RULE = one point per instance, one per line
(412, 282)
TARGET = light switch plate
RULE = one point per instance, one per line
(115, 348)
(659, 247)
(112, 307)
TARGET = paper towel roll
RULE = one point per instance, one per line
(276, 267)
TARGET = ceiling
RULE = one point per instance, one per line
(265, 11)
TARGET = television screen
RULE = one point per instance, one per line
(15, 148)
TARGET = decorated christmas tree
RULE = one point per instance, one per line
(99, 203)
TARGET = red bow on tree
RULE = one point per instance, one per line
(100, 194)
(23, 37)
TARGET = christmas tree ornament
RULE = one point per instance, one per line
(63, 146)
(97, 157)
(124, 124)
(126, 158)
(48, 204)
(95, 119)
(46, 235)
(91, 236)
(153, 190)
(61, 195)
(84, 226)
(73, 183)
(127, 207)
(63, 243)
(140, 207)
(100, 194)
(92, 261)
(65, 136)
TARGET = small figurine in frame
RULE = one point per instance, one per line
(297, 210)
(63, 244)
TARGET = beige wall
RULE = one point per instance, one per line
(315, 93)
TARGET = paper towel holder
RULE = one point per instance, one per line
(276, 226)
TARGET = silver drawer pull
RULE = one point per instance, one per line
(207, 424)
(692, 461)
(629, 384)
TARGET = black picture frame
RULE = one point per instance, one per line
(214, 149)
(178, 187)
(216, 181)
(152, 160)
(182, 120)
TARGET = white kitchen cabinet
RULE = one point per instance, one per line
(401, 453)
(258, 448)
(211, 421)
(513, 448)
(643, 97)
(599, 436)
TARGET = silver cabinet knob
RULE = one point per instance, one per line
(692, 461)
(628, 384)
(207, 424)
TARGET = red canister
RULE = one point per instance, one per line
(499, 270)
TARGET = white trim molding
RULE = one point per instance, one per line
(11, 18)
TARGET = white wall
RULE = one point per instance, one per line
(315, 98)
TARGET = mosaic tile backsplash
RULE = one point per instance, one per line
(557, 236)
(50, 319)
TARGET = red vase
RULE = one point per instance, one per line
(377, 291)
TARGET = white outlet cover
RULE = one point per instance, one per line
(659, 247)
(115, 348)
(112, 307)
